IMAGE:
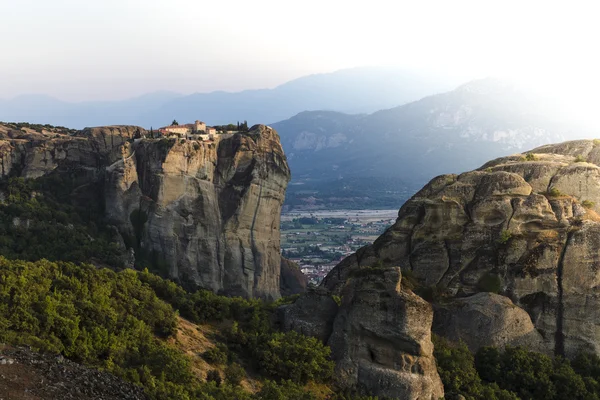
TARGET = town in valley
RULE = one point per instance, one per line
(318, 240)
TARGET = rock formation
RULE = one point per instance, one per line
(210, 210)
(486, 319)
(525, 226)
(380, 336)
(27, 375)
(311, 315)
(292, 280)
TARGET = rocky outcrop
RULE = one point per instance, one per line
(27, 375)
(292, 280)
(381, 339)
(380, 335)
(486, 319)
(311, 315)
(32, 154)
(525, 226)
(208, 211)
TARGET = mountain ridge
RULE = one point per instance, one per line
(414, 142)
(352, 90)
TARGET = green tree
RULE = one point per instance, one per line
(234, 373)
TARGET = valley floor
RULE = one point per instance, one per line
(318, 240)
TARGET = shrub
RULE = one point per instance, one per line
(216, 355)
(296, 357)
(505, 236)
(530, 157)
(234, 373)
(554, 192)
(579, 159)
(490, 283)
(337, 299)
(588, 204)
(93, 316)
(530, 375)
(213, 376)
(60, 226)
(432, 293)
(409, 280)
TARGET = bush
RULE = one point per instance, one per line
(409, 280)
(490, 283)
(216, 355)
(588, 204)
(93, 316)
(456, 366)
(296, 357)
(554, 192)
(55, 225)
(234, 373)
(579, 159)
(530, 157)
(530, 375)
(505, 236)
(376, 269)
(337, 299)
(213, 376)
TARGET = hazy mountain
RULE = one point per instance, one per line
(407, 145)
(357, 90)
(48, 110)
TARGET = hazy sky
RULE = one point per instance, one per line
(110, 49)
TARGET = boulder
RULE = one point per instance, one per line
(486, 319)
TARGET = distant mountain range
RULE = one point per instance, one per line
(347, 154)
(335, 157)
(357, 90)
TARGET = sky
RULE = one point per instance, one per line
(113, 49)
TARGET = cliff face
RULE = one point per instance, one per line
(208, 210)
(211, 210)
(380, 335)
(525, 227)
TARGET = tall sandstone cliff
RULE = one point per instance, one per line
(524, 226)
(210, 210)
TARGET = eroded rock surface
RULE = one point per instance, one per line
(381, 339)
(311, 315)
(528, 223)
(34, 376)
(209, 210)
(486, 319)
